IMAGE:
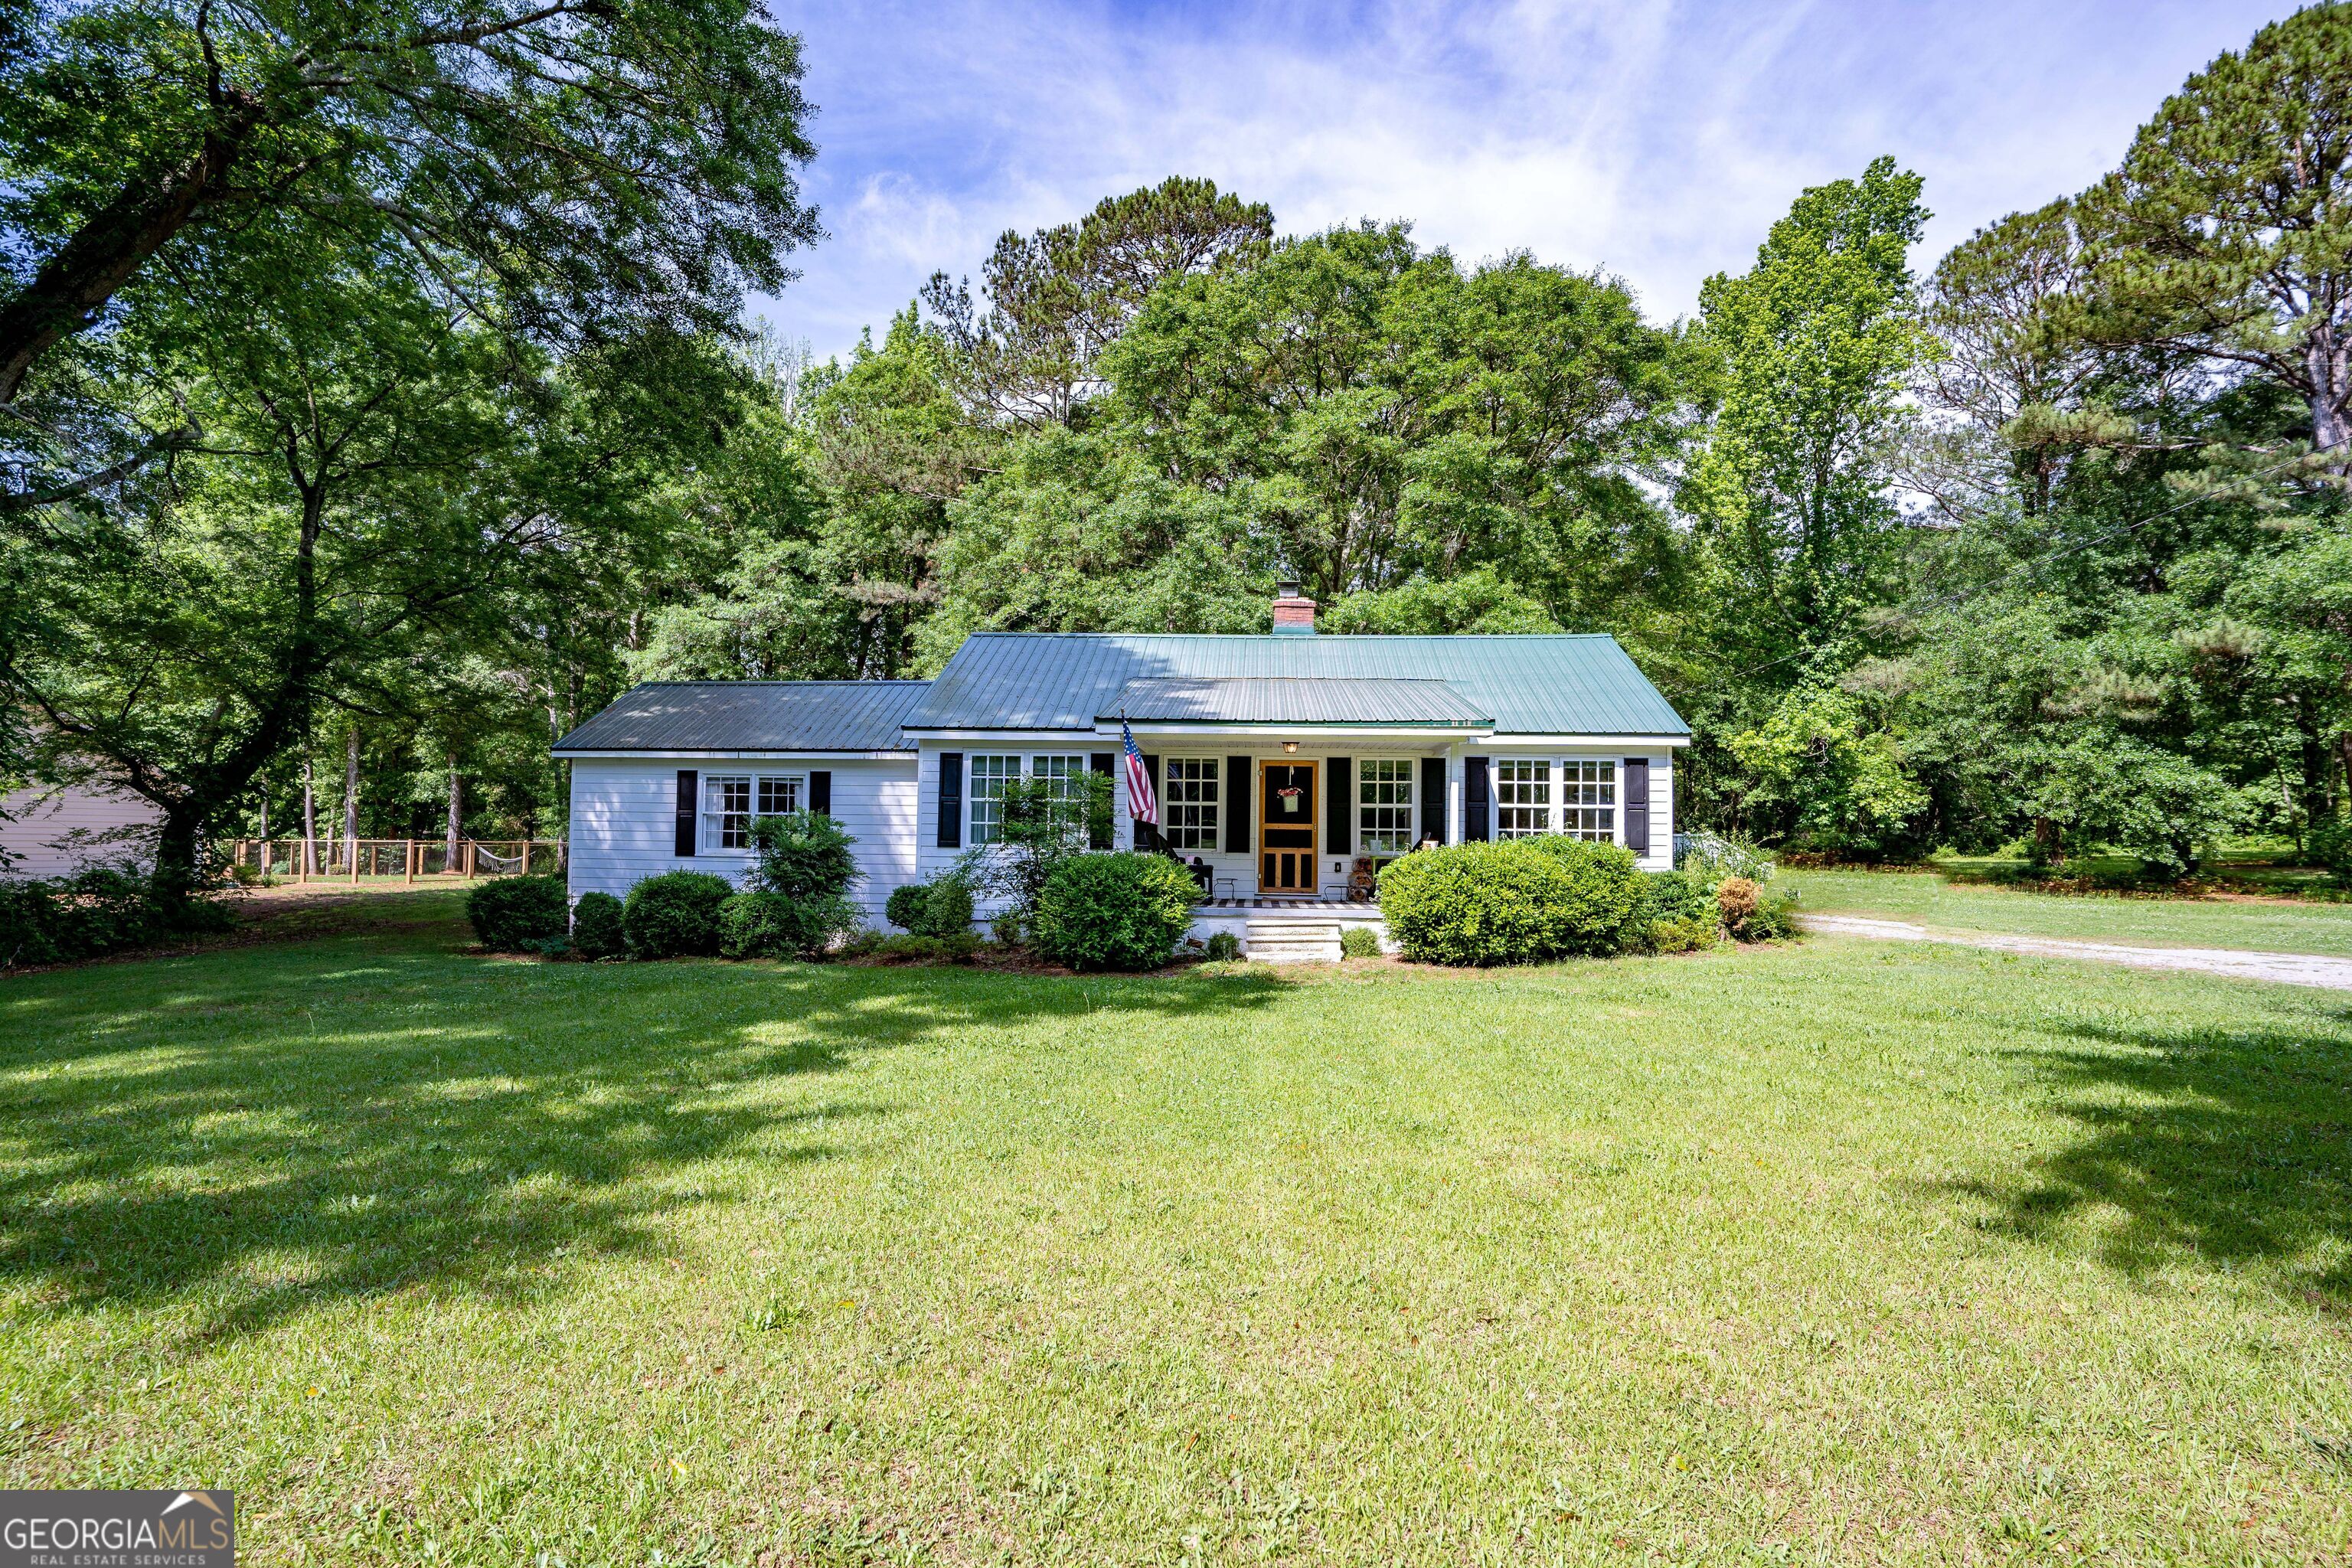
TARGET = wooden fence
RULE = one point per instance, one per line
(334, 860)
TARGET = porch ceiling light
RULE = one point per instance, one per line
(1290, 748)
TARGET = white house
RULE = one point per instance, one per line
(1288, 767)
(56, 829)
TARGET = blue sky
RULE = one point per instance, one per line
(1655, 141)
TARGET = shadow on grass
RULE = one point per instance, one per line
(2231, 1145)
(255, 1132)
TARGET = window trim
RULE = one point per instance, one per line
(1204, 835)
(979, 834)
(1612, 810)
(710, 820)
(1409, 805)
(1499, 783)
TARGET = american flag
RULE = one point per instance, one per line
(1141, 803)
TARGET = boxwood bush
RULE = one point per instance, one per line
(939, 907)
(1114, 911)
(518, 914)
(1521, 902)
(759, 925)
(596, 928)
(675, 915)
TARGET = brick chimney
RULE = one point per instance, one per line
(1294, 612)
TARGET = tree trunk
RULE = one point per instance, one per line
(265, 833)
(2329, 427)
(309, 823)
(351, 797)
(449, 839)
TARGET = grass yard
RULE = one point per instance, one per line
(1849, 1253)
(1930, 899)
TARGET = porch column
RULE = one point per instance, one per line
(1454, 794)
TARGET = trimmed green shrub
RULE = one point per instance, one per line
(518, 914)
(759, 924)
(1606, 893)
(1114, 911)
(1224, 947)
(596, 929)
(904, 907)
(675, 915)
(1518, 902)
(941, 907)
(1359, 941)
(956, 947)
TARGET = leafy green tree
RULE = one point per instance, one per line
(1399, 418)
(1827, 779)
(1077, 534)
(1475, 602)
(376, 493)
(1058, 297)
(596, 168)
(2225, 236)
(1817, 343)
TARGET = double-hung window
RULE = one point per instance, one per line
(1187, 803)
(986, 779)
(1384, 805)
(727, 810)
(1588, 798)
(780, 794)
(1066, 777)
(1522, 797)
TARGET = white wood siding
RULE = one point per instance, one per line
(624, 822)
(1241, 871)
(55, 830)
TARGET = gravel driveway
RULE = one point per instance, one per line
(2288, 968)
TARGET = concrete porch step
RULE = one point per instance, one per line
(1291, 941)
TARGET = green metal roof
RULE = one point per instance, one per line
(752, 716)
(1528, 685)
(1296, 699)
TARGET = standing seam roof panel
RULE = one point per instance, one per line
(1530, 684)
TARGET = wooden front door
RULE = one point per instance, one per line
(1285, 827)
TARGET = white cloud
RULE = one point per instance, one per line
(1652, 139)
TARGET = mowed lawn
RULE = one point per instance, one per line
(1929, 898)
(1848, 1252)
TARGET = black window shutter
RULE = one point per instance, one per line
(1146, 836)
(950, 799)
(1637, 804)
(1432, 799)
(1098, 833)
(821, 790)
(688, 781)
(1473, 800)
(1237, 805)
(1339, 835)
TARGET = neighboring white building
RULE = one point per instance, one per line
(1286, 765)
(55, 830)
